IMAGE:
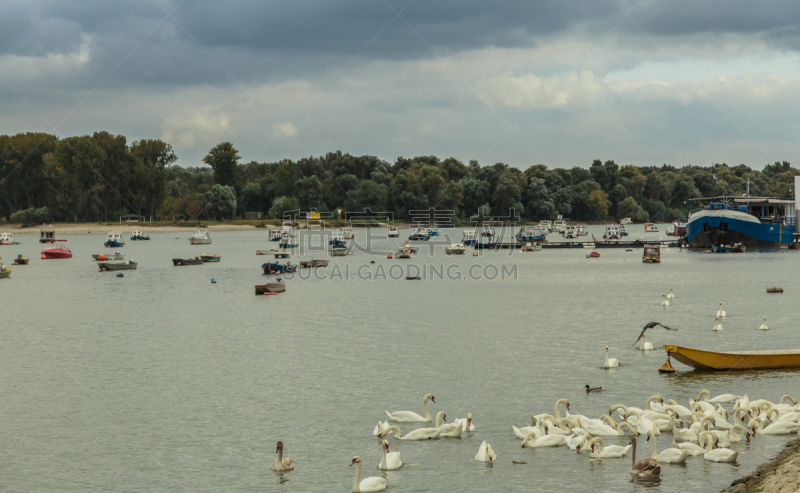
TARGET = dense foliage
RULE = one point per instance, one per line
(100, 177)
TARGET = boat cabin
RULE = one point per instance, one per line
(612, 232)
(469, 237)
(6, 238)
(546, 224)
(570, 232)
(650, 228)
(678, 228)
(559, 224)
(275, 234)
(47, 234)
(623, 231)
(651, 253)
(625, 220)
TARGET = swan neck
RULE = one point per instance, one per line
(427, 413)
(655, 447)
(383, 459)
(358, 477)
(280, 455)
(606, 358)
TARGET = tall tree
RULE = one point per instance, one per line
(224, 159)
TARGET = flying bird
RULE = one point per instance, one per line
(650, 326)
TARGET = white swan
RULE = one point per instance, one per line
(451, 430)
(687, 435)
(600, 451)
(671, 295)
(485, 453)
(717, 325)
(643, 425)
(664, 301)
(735, 437)
(646, 346)
(390, 460)
(681, 410)
(705, 406)
(610, 362)
(764, 325)
(724, 399)
(670, 455)
(380, 427)
(373, 483)
(468, 426)
(412, 417)
(281, 464)
(721, 312)
(562, 429)
(530, 441)
(605, 430)
(721, 454)
(690, 448)
(523, 432)
(577, 439)
(778, 428)
(558, 412)
(418, 434)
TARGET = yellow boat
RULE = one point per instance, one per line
(735, 360)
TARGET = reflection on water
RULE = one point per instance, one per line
(162, 381)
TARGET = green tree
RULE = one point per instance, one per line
(224, 160)
(309, 193)
(598, 201)
(221, 202)
(630, 208)
(282, 205)
(152, 158)
(368, 194)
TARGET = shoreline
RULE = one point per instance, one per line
(780, 474)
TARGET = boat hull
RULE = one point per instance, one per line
(199, 241)
(738, 360)
(273, 287)
(5, 274)
(707, 229)
(187, 261)
(210, 258)
(20, 261)
(114, 244)
(123, 266)
(110, 256)
(529, 237)
(273, 268)
(56, 254)
(140, 238)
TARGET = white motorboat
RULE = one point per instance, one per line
(455, 249)
(201, 236)
(393, 232)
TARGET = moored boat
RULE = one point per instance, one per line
(108, 256)
(287, 242)
(8, 239)
(275, 234)
(337, 238)
(409, 247)
(612, 232)
(347, 233)
(207, 257)
(419, 234)
(58, 249)
(570, 232)
(488, 232)
(278, 268)
(340, 251)
(559, 224)
(187, 261)
(47, 234)
(469, 237)
(432, 231)
(625, 220)
(651, 253)
(594, 254)
(650, 228)
(282, 254)
(617, 244)
(5, 271)
(677, 228)
(529, 233)
(735, 360)
(455, 249)
(548, 225)
(623, 231)
(139, 236)
(580, 230)
(201, 236)
(270, 287)
(114, 240)
(308, 264)
(21, 260)
(126, 265)
(393, 232)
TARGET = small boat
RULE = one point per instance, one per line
(281, 254)
(612, 232)
(432, 231)
(108, 256)
(402, 254)
(20, 260)
(721, 248)
(271, 287)
(287, 228)
(138, 236)
(529, 233)
(278, 268)
(340, 251)
(57, 250)
(559, 224)
(735, 360)
(337, 239)
(678, 228)
(651, 253)
(287, 242)
(211, 258)
(623, 231)
(409, 247)
(347, 233)
(580, 230)
(114, 240)
(309, 264)
(266, 252)
(594, 254)
(548, 225)
(455, 249)
(201, 236)
(775, 290)
(275, 234)
(469, 237)
(738, 248)
(532, 247)
(393, 232)
(187, 261)
(570, 232)
(650, 228)
(625, 220)
(8, 239)
(419, 234)
(125, 265)
(47, 234)
(5, 271)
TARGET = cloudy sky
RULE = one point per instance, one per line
(519, 81)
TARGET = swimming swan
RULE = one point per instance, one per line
(373, 483)
(418, 434)
(610, 362)
(600, 451)
(412, 417)
(645, 467)
(717, 325)
(721, 312)
(380, 427)
(468, 426)
(719, 454)
(764, 325)
(485, 453)
(664, 301)
(390, 460)
(281, 464)
(690, 448)
(530, 441)
(671, 295)
(670, 455)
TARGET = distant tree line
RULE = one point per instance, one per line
(101, 177)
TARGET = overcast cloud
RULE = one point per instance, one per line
(558, 83)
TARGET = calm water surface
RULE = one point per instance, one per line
(161, 381)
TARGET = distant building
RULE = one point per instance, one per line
(254, 215)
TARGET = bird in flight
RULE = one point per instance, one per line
(650, 326)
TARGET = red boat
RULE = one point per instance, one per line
(594, 254)
(57, 250)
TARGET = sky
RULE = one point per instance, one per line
(521, 82)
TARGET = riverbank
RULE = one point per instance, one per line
(780, 475)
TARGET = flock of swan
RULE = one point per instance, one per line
(665, 302)
(705, 428)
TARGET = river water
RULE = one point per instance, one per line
(163, 381)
